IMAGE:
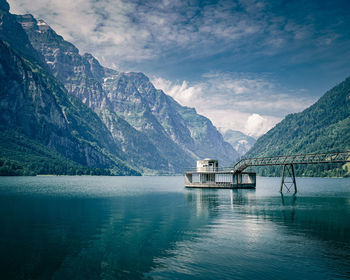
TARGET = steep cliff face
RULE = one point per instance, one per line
(192, 132)
(12, 32)
(147, 123)
(134, 106)
(83, 77)
(34, 103)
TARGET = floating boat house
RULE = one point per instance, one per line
(207, 174)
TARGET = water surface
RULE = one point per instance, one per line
(153, 228)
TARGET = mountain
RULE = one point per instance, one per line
(323, 127)
(63, 113)
(239, 141)
(36, 108)
(152, 129)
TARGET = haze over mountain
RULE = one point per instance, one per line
(239, 141)
(92, 115)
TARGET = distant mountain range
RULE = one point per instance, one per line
(323, 127)
(64, 113)
(239, 141)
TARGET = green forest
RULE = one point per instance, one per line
(20, 155)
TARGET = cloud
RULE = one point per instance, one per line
(239, 101)
(126, 33)
(183, 93)
(137, 31)
(257, 125)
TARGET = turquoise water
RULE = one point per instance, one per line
(154, 228)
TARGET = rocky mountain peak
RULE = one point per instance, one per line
(138, 76)
(12, 32)
(96, 69)
(27, 21)
(43, 36)
(138, 79)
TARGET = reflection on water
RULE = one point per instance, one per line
(289, 200)
(152, 227)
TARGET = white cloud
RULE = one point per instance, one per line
(257, 125)
(183, 93)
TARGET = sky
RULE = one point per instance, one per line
(244, 64)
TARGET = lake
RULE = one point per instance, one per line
(61, 227)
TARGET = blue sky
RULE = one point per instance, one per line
(245, 64)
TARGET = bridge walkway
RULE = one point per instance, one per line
(288, 163)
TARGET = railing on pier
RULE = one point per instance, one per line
(210, 170)
(293, 159)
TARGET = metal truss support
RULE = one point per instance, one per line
(288, 178)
